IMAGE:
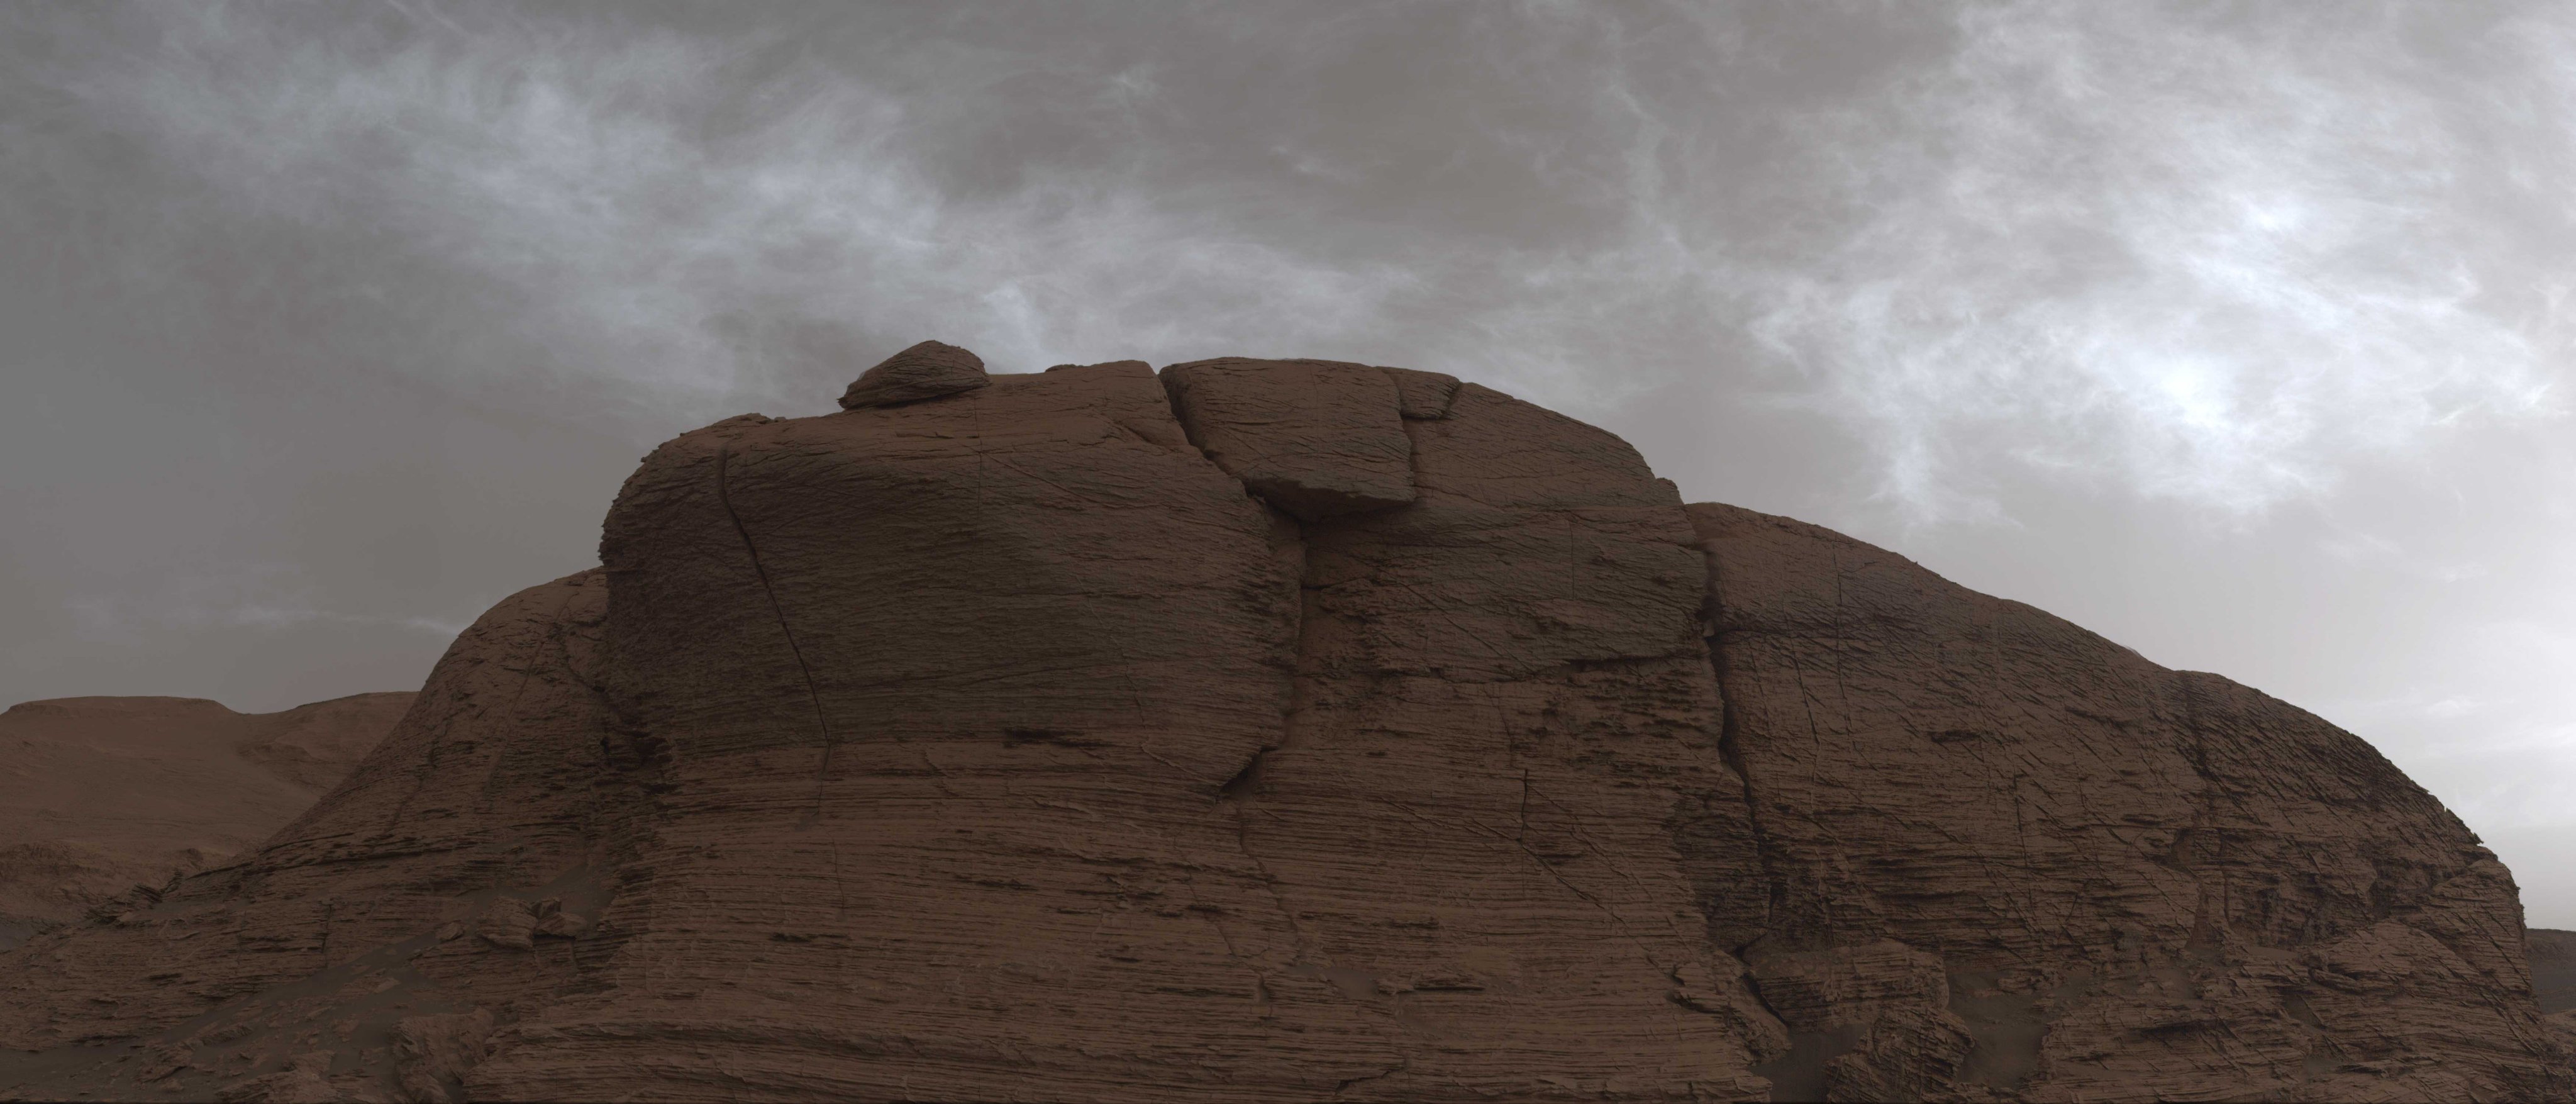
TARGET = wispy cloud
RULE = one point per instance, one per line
(259, 616)
(2202, 255)
(2206, 261)
(661, 219)
(265, 597)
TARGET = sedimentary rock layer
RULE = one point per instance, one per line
(2072, 873)
(1295, 730)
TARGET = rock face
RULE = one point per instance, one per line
(2139, 882)
(1316, 438)
(101, 794)
(1297, 730)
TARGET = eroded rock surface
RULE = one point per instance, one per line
(361, 913)
(102, 794)
(1296, 730)
(2186, 887)
(1316, 438)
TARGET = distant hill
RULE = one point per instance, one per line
(100, 794)
(2553, 969)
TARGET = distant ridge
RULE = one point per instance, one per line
(2553, 972)
(99, 794)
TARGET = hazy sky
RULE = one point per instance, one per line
(2238, 333)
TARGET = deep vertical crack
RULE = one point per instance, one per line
(1245, 785)
(1240, 790)
(1730, 751)
(823, 725)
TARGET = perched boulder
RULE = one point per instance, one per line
(928, 370)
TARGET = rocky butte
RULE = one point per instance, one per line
(1295, 730)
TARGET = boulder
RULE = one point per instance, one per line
(928, 370)
(1315, 438)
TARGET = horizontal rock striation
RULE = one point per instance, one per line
(2136, 883)
(1295, 730)
(925, 371)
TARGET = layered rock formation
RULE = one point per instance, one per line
(1296, 730)
(101, 794)
(2110, 879)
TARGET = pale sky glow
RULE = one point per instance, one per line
(2237, 333)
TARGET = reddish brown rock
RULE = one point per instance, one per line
(1423, 395)
(2141, 883)
(925, 371)
(1316, 438)
(363, 911)
(1012, 745)
(432, 1054)
(101, 794)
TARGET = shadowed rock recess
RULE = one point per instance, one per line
(1296, 730)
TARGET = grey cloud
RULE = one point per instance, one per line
(2133, 246)
(578, 172)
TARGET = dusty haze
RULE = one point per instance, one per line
(2237, 334)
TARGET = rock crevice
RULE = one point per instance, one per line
(769, 590)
